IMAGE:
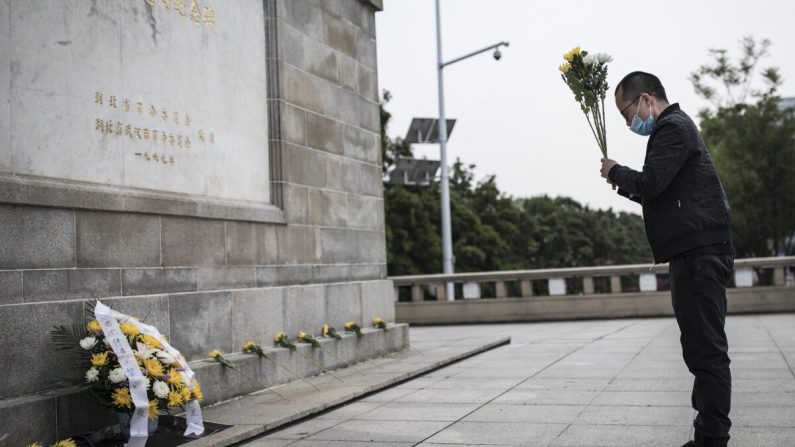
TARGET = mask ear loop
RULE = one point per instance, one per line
(640, 98)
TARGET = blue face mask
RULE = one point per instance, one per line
(640, 126)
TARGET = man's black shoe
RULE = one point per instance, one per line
(690, 444)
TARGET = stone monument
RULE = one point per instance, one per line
(210, 166)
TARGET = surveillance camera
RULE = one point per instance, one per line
(497, 54)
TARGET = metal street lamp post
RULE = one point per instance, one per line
(447, 238)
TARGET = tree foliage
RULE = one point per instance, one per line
(494, 231)
(752, 140)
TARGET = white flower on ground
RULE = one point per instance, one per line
(161, 389)
(165, 357)
(92, 375)
(117, 375)
(144, 352)
(88, 343)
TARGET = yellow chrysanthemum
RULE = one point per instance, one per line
(129, 329)
(349, 325)
(565, 68)
(174, 399)
(35, 444)
(185, 393)
(122, 398)
(278, 337)
(325, 330)
(94, 326)
(570, 55)
(99, 359)
(197, 391)
(301, 336)
(249, 346)
(151, 342)
(153, 410)
(214, 353)
(174, 377)
(154, 367)
(377, 320)
(68, 442)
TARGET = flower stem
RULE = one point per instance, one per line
(266, 357)
(343, 361)
(267, 388)
(323, 369)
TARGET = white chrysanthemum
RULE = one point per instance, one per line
(603, 58)
(144, 352)
(147, 382)
(117, 375)
(589, 59)
(88, 343)
(92, 375)
(165, 357)
(161, 389)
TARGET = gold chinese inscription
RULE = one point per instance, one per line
(188, 10)
(158, 133)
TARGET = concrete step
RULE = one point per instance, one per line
(265, 411)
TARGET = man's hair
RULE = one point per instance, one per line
(638, 82)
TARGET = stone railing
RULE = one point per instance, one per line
(595, 291)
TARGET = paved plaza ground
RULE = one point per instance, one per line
(581, 383)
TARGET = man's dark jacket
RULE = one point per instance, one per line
(684, 205)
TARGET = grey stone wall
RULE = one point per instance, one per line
(206, 277)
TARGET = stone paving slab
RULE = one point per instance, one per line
(582, 383)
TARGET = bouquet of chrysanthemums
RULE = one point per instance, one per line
(168, 384)
(586, 76)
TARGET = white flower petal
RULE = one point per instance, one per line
(92, 375)
(117, 375)
(160, 389)
(165, 357)
(88, 343)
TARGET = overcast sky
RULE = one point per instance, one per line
(516, 117)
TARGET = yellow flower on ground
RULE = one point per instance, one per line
(185, 393)
(94, 326)
(99, 359)
(129, 329)
(214, 353)
(153, 410)
(68, 442)
(174, 377)
(152, 342)
(249, 346)
(154, 367)
(197, 391)
(325, 330)
(174, 399)
(565, 68)
(122, 398)
(278, 337)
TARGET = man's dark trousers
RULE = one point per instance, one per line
(698, 290)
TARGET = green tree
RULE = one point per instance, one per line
(752, 139)
(494, 231)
